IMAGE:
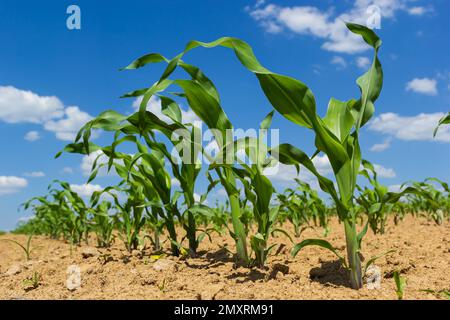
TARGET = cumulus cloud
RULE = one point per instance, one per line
(32, 136)
(88, 161)
(339, 62)
(419, 10)
(411, 128)
(19, 106)
(325, 24)
(425, 86)
(67, 128)
(67, 170)
(11, 184)
(362, 62)
(85, 190)
(34, 174)
(395, 188)
(286, 174)
(379, 147)
(384, 172)
(22, 106)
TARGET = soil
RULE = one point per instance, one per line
(422, 256)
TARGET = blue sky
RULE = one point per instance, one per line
(53, 79)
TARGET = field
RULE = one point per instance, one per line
(333, 232)
(113, 273)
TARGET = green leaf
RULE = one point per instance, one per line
(444, 120)
(339, 119)
(368, 35)
(317, 242)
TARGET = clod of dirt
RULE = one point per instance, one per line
(14, 269)
(73, 281)
(164, 265)
(89, 252)
(210, 293)
(278, 270)
(372, 278)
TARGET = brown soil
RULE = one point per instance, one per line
(422, 256)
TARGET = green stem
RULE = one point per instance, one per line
(191, 233)
(172, 235)
(354, 261)
(238, 228)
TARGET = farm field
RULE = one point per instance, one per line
(183, 162)
(314, 274)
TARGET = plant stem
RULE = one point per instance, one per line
(238, 228)
(173, 236)
(354, 261)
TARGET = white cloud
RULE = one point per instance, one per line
(21, 106)
(32, 136)
(67, 170)
(395, 188)
(423, 85)
(379, 147)
(67, 128)
(11, 184)
(419, 10)
(34, 174)
(154, 106)
(285, 174)
(88, 161)
(25, 106)
(326, 25)
(411, 128)
(384, 172)
(339, 62)
(362, 62)
(85, 190)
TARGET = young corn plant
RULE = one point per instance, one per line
(336, 134)
(203, 99)
(375, 202)
(26, 248)
(32, 282)
(303, 205)
(129, 218)
(76, 212)
(103, 224)
(400, 284)
(147, 168)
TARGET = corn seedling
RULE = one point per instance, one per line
(400, 284)
(26, 248)
(32, 282)
(103, 224)
(302, 205)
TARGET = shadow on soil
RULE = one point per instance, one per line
(330, 273)
(212, 259)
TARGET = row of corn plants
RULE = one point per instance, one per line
(147, 205)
